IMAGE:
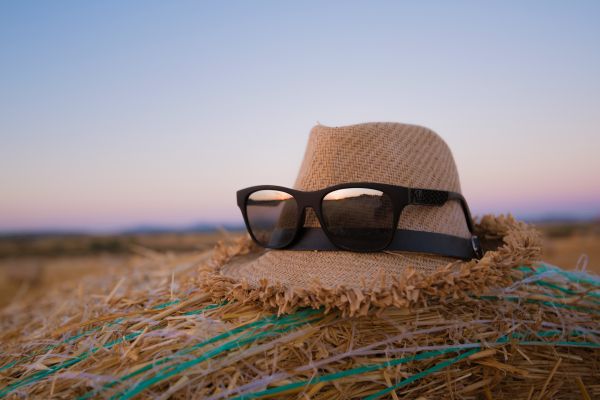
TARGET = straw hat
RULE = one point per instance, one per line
(382, 152)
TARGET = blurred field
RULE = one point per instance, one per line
(31, 264)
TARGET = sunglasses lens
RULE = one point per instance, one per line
(359, 218)
(272, 217)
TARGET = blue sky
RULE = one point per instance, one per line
(116, 113)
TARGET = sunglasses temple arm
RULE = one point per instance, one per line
(432, 197)
(465, 207)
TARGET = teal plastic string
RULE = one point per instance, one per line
(10, 365)
(164, 360)
(271, 319)
(576, 277)
(422, 356)
(568, 291)
(233, 344)
(165, 305)
(55, 368)
(544, 302)
(51, 370)
(564, 343)
(117, 321)
(53, 346)
(343, 374)
(207, 308)
(236, 344)
(173, 370)
(423, 374)
(169, 358)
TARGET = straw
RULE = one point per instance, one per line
(538, 335)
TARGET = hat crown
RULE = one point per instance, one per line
(388, 152)
(391, 153)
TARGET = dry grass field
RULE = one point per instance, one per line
(573, 246)
(30, 265)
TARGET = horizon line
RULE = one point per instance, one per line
(201, 227)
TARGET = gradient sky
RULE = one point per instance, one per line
(115, 114)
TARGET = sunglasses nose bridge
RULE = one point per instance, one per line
(310, 217)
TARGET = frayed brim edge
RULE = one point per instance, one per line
(521, 246)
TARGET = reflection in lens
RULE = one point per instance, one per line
(272, 216)
(359, 218)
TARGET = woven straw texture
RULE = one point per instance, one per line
(383, 152)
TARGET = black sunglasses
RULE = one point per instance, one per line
(354, 216)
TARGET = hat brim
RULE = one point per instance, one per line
(301, 269)
(357, 282)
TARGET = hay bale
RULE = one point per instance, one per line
(155, 331)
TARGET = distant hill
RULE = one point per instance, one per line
(561, 219)
(134, 230)
(196, 228)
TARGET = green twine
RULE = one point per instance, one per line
(293, 320)
(343, 374)
(544, 302)
(207, 308)
(419, 357)
(569, 291)
(271, 319)
(423, 374)
(165, 305)
(10, 364)
(53, 346)
(575, 277)
(55, 368)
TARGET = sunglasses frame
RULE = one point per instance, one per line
(400, 196)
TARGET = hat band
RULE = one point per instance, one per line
(404, 240)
